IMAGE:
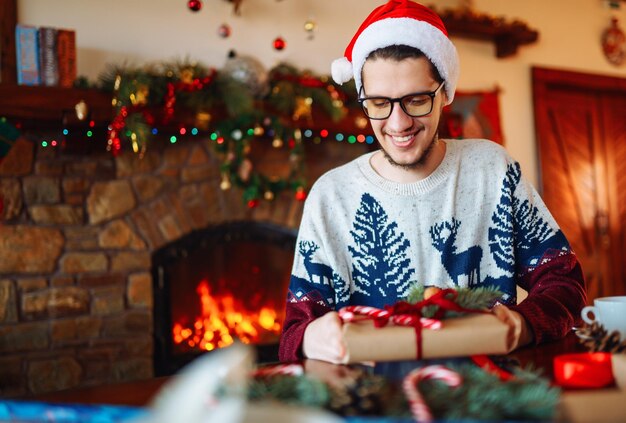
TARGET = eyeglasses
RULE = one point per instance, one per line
(414, 105)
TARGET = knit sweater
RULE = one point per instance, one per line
(473, 222)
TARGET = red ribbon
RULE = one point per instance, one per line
(411, 314)
(583, 370)
(487, 364)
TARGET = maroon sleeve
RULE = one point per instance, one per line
(556, 295)
(298, 315)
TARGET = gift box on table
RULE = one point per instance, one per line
(472, 334)
(600, 387)
(619, 370)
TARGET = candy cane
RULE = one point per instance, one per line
(352, 313)
(279, 369)
(419, 408)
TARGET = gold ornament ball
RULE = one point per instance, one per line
(82, 110)
(310, 25)
(269, 195)
(202, 120)
(186, 75)
(430, 291)
(225, 184)
(245, 169)
(277, 143)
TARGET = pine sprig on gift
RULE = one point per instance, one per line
(471, 298)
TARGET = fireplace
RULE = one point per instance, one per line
(214, 286)
(82, 306)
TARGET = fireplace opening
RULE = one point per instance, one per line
(218, 285)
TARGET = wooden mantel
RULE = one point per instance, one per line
(26, 102)
(506, 35)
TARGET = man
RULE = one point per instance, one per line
(421, 210)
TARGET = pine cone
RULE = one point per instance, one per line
(365, 396)
(597, 339)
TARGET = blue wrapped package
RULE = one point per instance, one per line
(36, 412)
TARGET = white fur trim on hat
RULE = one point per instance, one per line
(411, 32)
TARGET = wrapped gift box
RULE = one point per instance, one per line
(459, 337)
(619, 370)
(597, 405)
(593, 406)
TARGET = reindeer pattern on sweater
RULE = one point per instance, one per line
(474, 222)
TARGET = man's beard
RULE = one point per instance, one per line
(417, 163)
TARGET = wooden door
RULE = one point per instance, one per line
(581, 133)
(614, 126)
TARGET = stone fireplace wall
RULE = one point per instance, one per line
(76, 238)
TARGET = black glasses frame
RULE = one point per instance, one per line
(431, 94)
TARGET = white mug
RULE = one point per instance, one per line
(610, 312)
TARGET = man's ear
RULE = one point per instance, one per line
(444, 98)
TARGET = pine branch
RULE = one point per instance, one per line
(482, 396)
(472, 298)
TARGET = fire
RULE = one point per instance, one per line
(222, 319)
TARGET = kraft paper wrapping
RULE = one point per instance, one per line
(619, 370)
(459, 337)
(593, 406)
(598, 405)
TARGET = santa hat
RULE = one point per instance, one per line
(400, 22)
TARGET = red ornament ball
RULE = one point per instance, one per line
(300, 194)
(253, 203)
(224, 31)
(279, 43)
(194, 5)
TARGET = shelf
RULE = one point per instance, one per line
(52, 105)
(507, 36)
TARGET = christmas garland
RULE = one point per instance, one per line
(236, 107)
(478, 395)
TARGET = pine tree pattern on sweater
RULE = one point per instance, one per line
(473, 223)
(379, 253)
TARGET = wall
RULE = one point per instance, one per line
(139, 31)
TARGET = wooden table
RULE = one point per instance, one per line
(139, 393)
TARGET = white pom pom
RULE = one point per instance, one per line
(341, 70)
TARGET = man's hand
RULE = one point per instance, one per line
(519, 333)
(323, 339)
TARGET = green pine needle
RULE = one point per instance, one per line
(472, 298)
